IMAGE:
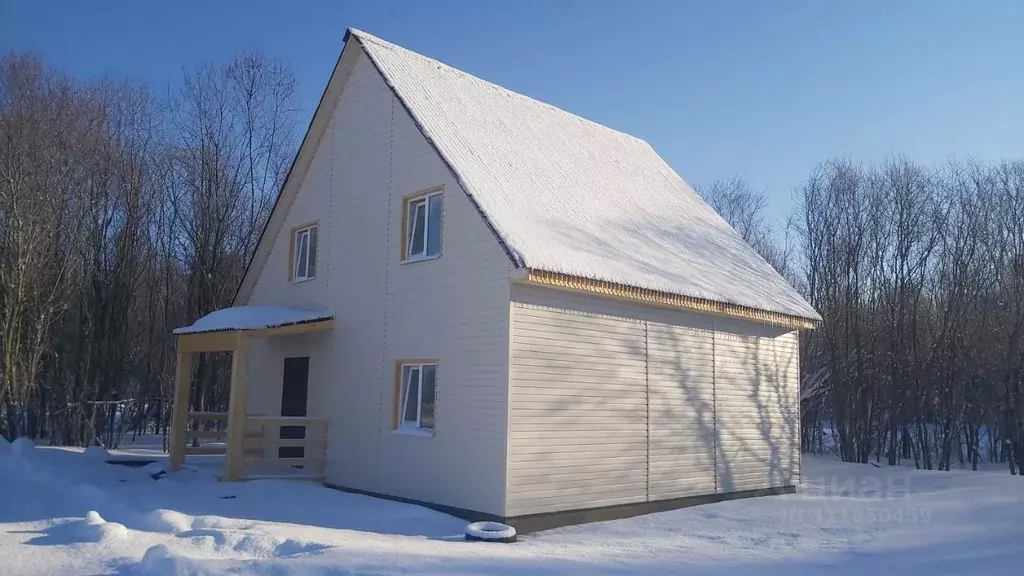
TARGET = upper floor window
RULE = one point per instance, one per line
(421, 225)
(303, 258)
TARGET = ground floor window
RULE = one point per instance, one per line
(417, 391)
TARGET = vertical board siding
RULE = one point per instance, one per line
(454, 308)
(614, 402)
(578, 414)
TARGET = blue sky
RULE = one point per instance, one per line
(761, 89)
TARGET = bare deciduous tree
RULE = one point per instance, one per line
(743, 207)
(122, 216)
(918, 276)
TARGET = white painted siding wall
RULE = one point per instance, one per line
(757, 412)
(578, 419)
(682, 408)
(454, 309)
(718, 399)
(609, 402)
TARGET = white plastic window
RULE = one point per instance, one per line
(416, 407)
(423, 227)
(304, 258)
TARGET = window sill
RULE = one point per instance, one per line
(420, 259)
(420, 432)
(301, 280)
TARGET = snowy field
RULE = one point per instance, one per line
(67, 512)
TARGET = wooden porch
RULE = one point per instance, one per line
(251, 445)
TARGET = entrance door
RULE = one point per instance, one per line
(294, 389)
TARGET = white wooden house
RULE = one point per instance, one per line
(477, 301)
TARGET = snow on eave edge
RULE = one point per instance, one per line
(236, 324)
(650, 296)
(189, 330)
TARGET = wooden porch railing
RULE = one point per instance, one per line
(263, 443)
(194, 340)
(216, 430)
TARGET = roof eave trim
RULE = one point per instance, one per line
(648, 296)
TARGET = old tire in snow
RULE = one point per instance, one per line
(490, 532)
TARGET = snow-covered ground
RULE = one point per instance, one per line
(67, 512)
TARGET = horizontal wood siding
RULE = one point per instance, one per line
(787, 362)
(758, 413)
(613, 402)
(454, 308)
(578, 414)
(681, 411)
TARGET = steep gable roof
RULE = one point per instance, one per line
(572, 197)
(573, 203)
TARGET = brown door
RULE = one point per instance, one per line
(294, 390)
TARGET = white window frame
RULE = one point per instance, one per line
(410, 222)
(297, 235)
(409, 427)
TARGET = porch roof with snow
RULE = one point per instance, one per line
(574, 203)
(230, 330)
(220, 330)
(255, 318)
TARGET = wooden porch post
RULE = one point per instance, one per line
(179, 415)
(233, 466)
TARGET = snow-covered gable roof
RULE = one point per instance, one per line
(571, 196)
(254, 318)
